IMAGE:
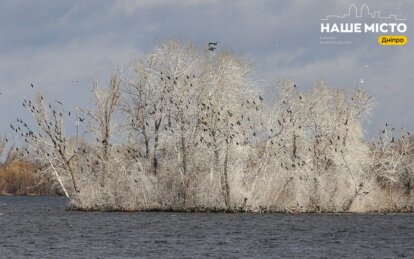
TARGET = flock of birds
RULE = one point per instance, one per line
(49, 125)
(54, 132)
(210, 112)
(238, 128)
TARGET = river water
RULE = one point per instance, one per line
(41, 227)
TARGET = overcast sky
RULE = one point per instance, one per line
(53, 43)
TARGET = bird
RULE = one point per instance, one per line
(362, 81)
(294, 85)
(59, 102)
(31, 85)
(213, 43)
(81, 119)
(211, 48)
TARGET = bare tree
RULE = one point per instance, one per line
(308, 139)
(100, 119)
(50, 146)
(392, 165)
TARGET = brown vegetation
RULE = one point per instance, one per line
(18, 178)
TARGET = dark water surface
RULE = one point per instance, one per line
(40, 227)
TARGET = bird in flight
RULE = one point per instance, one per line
(362, 81)
(213, 43)
(31, 85)
(211, 48)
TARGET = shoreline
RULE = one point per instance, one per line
(241, 211)
(213, 210)
(216, 210)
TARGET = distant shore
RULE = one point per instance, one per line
(19, 178)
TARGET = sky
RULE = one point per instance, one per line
(62, 46)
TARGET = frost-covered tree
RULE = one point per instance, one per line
(186, 108)
(314, 150)
(393, 166)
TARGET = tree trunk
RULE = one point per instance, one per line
(225, 181)
(155, 159)
(186, 180)
(352, 199)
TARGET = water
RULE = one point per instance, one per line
(41, 227)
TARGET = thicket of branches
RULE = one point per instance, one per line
(187, 130)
